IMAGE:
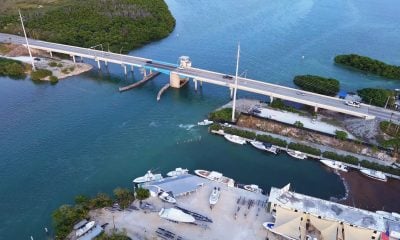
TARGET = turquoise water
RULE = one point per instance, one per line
(83, 137)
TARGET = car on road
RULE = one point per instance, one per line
(149, 61)
(226, 76)
(36, 59)
(353, 104)
(301, 93)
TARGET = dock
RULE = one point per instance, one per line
(136, 84)
(162, 90)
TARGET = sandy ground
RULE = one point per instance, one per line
(142, 225)
(371, 194)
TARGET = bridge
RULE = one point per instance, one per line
(180, 75)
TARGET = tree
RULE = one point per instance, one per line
(124, 196)
(317, 84)
(377, 96)
(341, 135)
(101, 200)
(298, 124)
(393, 143)
(142, 193)
(65, 217)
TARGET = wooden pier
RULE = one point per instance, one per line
(136, 84)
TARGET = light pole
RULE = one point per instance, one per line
(27, 43)
(236, 80)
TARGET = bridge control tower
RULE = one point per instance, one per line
(177, 81)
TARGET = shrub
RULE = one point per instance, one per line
(53, 79)
(390, 129)
(12, 68)
(298, 124)
(369, 65)
(305, 148)
(379, 167)
(124, 196)
(377, 96)
(142, 193)
(101, 200)
(279, 104)
(40, 74)
(59, 65)
(241, 133)
(65, 70)
(347, 159)
(52, 64)
(222, 115)
(317, 84)
(272, 140)
(71, 68)
(65, 217)
(341, 135)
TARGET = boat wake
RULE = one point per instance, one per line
(153, 124)
(187, 127)
(346, 187)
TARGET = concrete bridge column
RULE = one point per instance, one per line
(106, 63)
(151, 71)
(144, 72)
(315, 108)
(231, 89)
(51, 53)
(195, 84)
(125, 70)
(271, 99)
(131, 68)
(73, 58)
(201, 84)
(98, 64)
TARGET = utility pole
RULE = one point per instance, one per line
(26, 39)
(236, 82)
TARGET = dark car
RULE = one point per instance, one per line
(227, 76)
(149, 61)
(36, 59)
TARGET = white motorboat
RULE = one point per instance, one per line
(270, 227)
(177, 172)
(377, 175)
(214, 197)
(148, 177)
(205, 122)
(215, 176)
(297, 154)
(264, 146)
(235, 139)
(253, 188)
(334, 164)
(176, 215)
(166, 197)
(85, 228)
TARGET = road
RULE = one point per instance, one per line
(245, 84)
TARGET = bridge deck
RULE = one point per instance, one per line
(249, 85)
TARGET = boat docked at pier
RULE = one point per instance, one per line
(235, 139)
(374, 174)
(253, 188)
(148, 177)
(265, 147)
(214, 196)
(177, 172)
(176, 215)
(297, 154)
(334, 164)
(166, 197)
(85, 229)
(205, 122)
(215, 176)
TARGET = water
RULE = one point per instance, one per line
(83, 137)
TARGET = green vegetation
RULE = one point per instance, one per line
(53, 79)
(65, 217)
(393, 143)
(113, 236)
(279, 104)
(377, 96)
(305, 148)
(369, 65)
(239, 132)
(376, 166)
(317, 84)
(142, 193)
(40, 74)
(272, 140)
(347, 159)
(341, 135)
(298, 124)
(119, 24)
(124, 197)
(390, 128)
(52, 64)
(222, 115)
(12, 68)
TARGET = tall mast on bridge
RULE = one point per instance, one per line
(27, 43)
(236, 82)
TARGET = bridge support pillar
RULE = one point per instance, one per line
(73, 58)
(201, 84)
(315, 109)
(271, 99)
(131, 68)
(195, 84)
(125, 70)
(176, 81)
(98, 64)
(144, 72)
(106, 63)
(151, 71)
(231, 89)
(51, 53)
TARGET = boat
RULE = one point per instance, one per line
(148, 177)
(270, 227)
(176, 215)
(297, 154)
(334, 164)
(177, 172)
(235, 139)
(205, 122)
(214, 197)
(166, 197)
(215, 176)
(253, 188)
(377, 175)
(85, 228)
(265, 146)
